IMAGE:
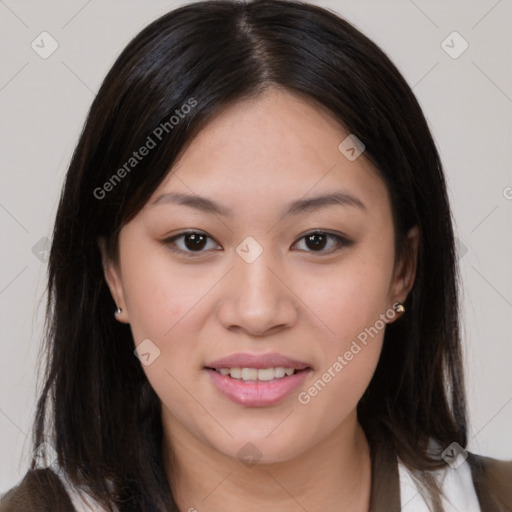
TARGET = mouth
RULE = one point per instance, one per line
(257, 380)
(248, 374)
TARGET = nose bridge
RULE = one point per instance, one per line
(255, 299)
(252, 274)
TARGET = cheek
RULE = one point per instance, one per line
(339, 383)
(351, 303)
(158, 295)
(351, 297)
(167, 306)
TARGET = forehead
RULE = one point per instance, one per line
(274, 146)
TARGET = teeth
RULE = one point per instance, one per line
(257, 374)
(249, 373)
(237, 373)
(279, 372)
(263, 374)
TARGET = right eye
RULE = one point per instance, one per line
(190, 242)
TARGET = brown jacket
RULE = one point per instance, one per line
(492, 480)
(41, 490)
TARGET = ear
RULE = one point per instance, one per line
(112, 275)
(405, 269)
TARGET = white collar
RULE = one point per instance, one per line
(457, 485)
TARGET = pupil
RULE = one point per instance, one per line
(315, 242)
(194, 241)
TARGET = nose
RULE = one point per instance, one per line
(257, 299)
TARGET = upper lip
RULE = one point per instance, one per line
(259, 361)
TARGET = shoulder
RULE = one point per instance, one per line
(472, 484)
(492, 479)
(40, 490)
(45, 490)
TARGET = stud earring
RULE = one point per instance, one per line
(117, 312)
(399, 307)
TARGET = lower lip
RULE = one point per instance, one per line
(257, 394)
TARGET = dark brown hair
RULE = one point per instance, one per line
(104, 418)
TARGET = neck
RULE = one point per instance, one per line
(334, 475)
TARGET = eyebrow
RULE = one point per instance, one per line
(294, 208)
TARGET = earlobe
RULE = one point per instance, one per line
(406, 272)
(114, 283)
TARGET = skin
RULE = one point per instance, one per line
(254, 157)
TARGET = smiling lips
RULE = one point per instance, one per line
(257, 380)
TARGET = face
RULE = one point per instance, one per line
(268, 269)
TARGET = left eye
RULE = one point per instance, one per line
(318, 240)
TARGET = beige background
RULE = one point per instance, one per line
(468, 103)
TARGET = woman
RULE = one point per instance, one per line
(252, 282)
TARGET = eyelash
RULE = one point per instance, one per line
(341, 242)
